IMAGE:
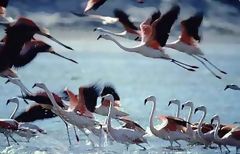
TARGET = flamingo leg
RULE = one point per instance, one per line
(175, 62)
(212, 64)
(143, 148)
(13, 139)
(192, 66)
(178, 143)
(220, 147)
(67, 132)
(77, 138)
(7, 139)
(206, 67)
(227, 149)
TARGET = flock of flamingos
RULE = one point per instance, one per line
(19, 48)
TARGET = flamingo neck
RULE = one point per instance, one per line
(153, 130)
(122, 47)
(112, 33)
(178, 110)
(190, 114)
(216, 137)
(14, 111)
(51, 97)
(109, 126)
(200, 124)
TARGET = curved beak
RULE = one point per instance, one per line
(95, 29)
(226, 88)
(57, 54)
(212, 121)
(34, 85)
(53, 39)
(169, 103)
(195, 110)
(8, 101)
(182, 107)
(7, 81)
(99, 37)
(145, 101)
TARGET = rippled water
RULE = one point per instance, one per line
(134, 77)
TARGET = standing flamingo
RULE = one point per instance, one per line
(188, 41)
(125, 136)
(171, 129)
(232, 138)
(18, 34)
(154, 37)
(70, 115)
(7, 128)
(178, 103)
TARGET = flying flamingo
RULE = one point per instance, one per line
(232, 86)
(232, 138)
(18, 33)
(188, 41)
(130, 30)
(178, 103)
(40, 111)
(95, 4)
(78, 119)
(23, 124)
(105, 19)
(171, 129)
(154, 37)
(125, 136)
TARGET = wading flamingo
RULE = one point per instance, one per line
(154, 37)
(171, 129)
(232, 138)
(125, 136)
(188, 41)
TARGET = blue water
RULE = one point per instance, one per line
(135, 77)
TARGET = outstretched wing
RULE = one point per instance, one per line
(35, 112)
(155, 16)
(124, 19)
(192, 25)
(162, 26)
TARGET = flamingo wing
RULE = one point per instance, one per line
(162, 26)
(73, 100)
(109, 89)
(192, 24)
(94, 4)
(155, 16)
(124, 20)
(236, 134)
(35, 112)
(131, 124)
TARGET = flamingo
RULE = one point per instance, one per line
(177, 102)
(125, 136)
(23, 124)
(95, 4)
(232, 86)
(70, 115)
(188, 41)
(130, 30)
(18, 33)
(7, 128)
(103, 108)
(104, 19)
(171, 129)
(232, 138)
(154, 37)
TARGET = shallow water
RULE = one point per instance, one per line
(135, 77)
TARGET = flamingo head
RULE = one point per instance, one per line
(150, 99)
(108, 97)
(39, 85)
(174, 101)
(215, 117)
(200, 108)
(104, 36)
(14, 100)
(188, 103)
(13, 80)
